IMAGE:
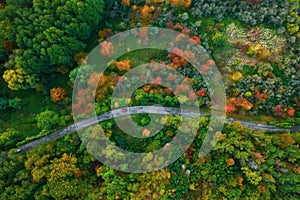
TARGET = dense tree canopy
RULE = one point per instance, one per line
(44, 36)
(254, 44)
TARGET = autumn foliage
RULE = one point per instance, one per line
(177, 57)
(126, 2)
(82, 106)
(107, 48)
(201, 93)
(123, 65)
(280, 111)
(261, 96)
(156, 81)
(180, 3)
(192, 96)
(230, 162)
(290, 111)
(57, 94)
(146, 10)
(144, 33)
(195, 40)
(9, 46)
(182, 88)
(258, 156)
(105, 83)
(104, 34)
(234, 103)
(80, 58)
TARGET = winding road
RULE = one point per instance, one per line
(141, 110)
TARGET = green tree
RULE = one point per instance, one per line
(15, 181)
(153, 185)
(47, 119)
(45, 36)
(19, 78)
(9, 138)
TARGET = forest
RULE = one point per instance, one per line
(50, 80)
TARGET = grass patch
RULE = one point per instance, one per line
(33, 103)
(279, 73)
(143, 56)
(24, 119)
(248, 70)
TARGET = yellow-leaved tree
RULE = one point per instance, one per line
(19, 78)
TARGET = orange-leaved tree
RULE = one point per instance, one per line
(57, 94)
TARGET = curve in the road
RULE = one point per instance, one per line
(141, 110)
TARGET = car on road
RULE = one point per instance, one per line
(18, 150)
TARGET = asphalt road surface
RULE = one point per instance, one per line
(141, 110)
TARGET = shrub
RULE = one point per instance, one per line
(180, 3)
(3, 103)
(10, 103)
(252, 51)
(80, 58)
(219, 40)
(15, 103)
